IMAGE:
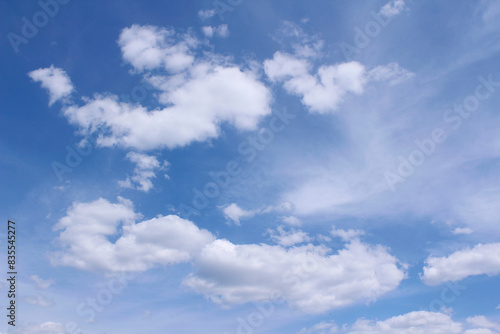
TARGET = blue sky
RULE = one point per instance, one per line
(252, 166)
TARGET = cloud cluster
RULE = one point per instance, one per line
(310, 278)
(151, 47)
(323, 90)
(479, 260)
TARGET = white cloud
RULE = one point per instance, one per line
(206, 14)
(462, 230)
(87, 227)
(221, 31)
(235, 213)
(348, 176)
(208, 31)
(420, 322)
(321, 328)
(292, 220)
(55, 80)
(302, 44)
(145, 170)
(392, 8)
(482, 259)
(324, 89)
(323, 193)
(290, 238)
(321, 92)
(309, 278)
(482, 321)
(392, 73)
(224, 94)
(45, 328)
(38, 300)
(41, 283)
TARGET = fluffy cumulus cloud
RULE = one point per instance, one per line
(41, 283)
(177, 67)
(87, 228)
(462, 230)
(54, 80)
(288, 238)
(206, 14)
(393, 8)
(322, 91)
(234, 213)
(292, 220)
(479, 260)
(321, 328)
(145, 169)
(308, 277)
(420, 322)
